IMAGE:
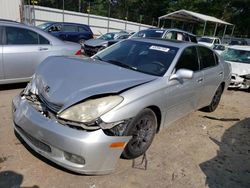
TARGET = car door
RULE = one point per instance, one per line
(23, 50)
(213, 74)
(1, 54)
(183, 95)
(71, 32)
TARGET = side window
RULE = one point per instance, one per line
(70, 28)
(1, 35)
(188, 60)
(206, 57)
(18, 36)
(82, 29)
(180, 36)
(171, 35)
(55, 28)
(43, 40)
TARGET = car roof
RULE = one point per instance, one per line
(169, 29)
(168, 42)
(69, 23)
(50, 37)
(239, 47)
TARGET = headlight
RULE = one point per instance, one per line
(90, 109)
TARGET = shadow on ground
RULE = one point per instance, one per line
(12, 86)
(12, 179)
(231, 166)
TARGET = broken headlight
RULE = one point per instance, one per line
(90, 110)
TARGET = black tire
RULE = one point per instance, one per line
(143, 129)
(215, 101)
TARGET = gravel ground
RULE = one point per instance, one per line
(200, 150)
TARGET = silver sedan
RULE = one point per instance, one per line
(23, 47)
(85, 114)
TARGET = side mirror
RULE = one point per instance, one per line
(182, 74)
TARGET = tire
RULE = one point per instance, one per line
(215, 101)
(143, 129)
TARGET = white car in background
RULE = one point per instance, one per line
(239, 58)
(209, 41)
(219, 48)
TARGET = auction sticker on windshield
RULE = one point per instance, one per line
(159, 48)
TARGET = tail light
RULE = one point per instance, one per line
(78, 52)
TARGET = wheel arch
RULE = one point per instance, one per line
(158, 115)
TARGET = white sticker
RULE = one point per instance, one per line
(159, 48)
(159, 31)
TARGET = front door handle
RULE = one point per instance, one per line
(199, 80)
(42, 49)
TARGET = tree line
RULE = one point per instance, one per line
(236, 12)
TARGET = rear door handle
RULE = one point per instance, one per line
(199, 80)
(42, 49)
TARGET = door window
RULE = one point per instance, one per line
(70, 28)
(171, 35)
(43, 40)
(18, 36)
(82, 29)
(207, 57)
(55, 28)
(188, 60)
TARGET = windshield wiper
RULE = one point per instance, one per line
(114, 62)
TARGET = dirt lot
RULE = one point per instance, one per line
(197, 151)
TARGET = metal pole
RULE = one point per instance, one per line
(233, 30)
(224, 33)
(204, 29)
(79, 6)
(63, 10)
(215, 29)
(159, 21)
(108, 17)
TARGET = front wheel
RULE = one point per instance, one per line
(215, 101)
(142, 129)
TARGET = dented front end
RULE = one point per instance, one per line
(78, 147)
(240, 81)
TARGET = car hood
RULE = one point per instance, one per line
(67, 80)
(240, 69)
(95, 42)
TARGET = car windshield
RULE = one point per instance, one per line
(149, 33)
(207, 40)
(44, 26)
(235, 55)
(145, 57)
(107, 36)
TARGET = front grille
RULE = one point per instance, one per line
(35, 141)
(51, 106)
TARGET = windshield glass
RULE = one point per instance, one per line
(207, 40)
(149, 33)
(145, 57)
(107, 36)
(235, 55)
(44, 26)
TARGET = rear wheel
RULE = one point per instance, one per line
(215, 101)
(142, 129)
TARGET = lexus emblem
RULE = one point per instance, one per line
(47, 89)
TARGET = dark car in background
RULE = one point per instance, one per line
(174, 34)
(93, 46)
(73, 32)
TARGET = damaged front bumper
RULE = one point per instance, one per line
(241, 82)
(82, 151)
